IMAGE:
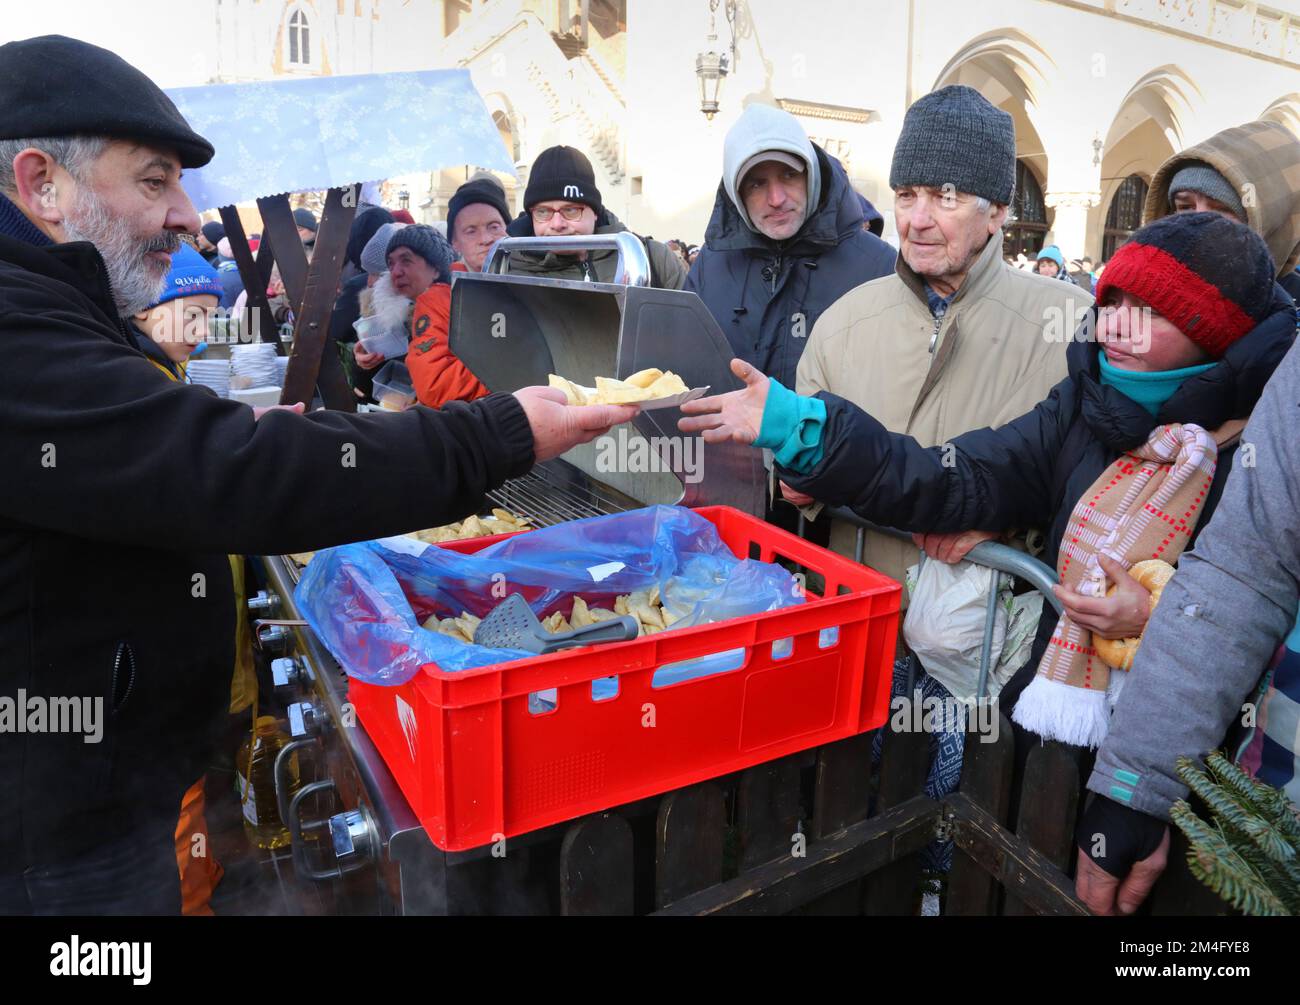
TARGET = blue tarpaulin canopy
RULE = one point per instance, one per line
(300, 135)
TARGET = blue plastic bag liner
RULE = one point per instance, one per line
(303, 134)
(366, 602)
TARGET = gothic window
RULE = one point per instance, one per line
(299, 39)
(1027, 222)
(1124, 215)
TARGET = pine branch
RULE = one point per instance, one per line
(1216, 864)
(1253, 824)
(1268, 800)
(1233, 779)
(1282, 878)
(1246, 854)
(1221, 801)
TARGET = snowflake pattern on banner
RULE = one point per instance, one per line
(319, 132)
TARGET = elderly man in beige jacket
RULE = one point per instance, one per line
(955, 339)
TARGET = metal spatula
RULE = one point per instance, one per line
(513, 625)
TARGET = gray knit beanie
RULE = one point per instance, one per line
(374, 256)
(956, 136)
(1197, 176)
(428, 244)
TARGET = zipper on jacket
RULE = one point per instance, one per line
(934, 335)
(123, 661)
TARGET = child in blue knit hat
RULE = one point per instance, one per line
(167, 333)
(170, 330)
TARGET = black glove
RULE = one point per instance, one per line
(1129, 836)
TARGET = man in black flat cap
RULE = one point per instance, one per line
(116, 639)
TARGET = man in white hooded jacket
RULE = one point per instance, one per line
(784, 243)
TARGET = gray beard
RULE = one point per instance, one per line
(389, 305)
(134, 280)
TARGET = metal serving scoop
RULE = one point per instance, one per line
(513, 625)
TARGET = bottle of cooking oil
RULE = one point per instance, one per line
(255, 769)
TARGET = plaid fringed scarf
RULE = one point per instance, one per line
(1145, 505)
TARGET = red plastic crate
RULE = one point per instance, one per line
(476, 764)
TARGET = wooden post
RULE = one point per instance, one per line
(265, 260)
(842, 798)
(310, 364)
(834, 864)
(904, 764)
(1043, 887)
(767, 810)
(278, 224)
(689, 835)
(843, 792)
(256, 324)
(596, 867)
(986, 781)
(1049, 807)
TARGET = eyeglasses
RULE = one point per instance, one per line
(542, 214)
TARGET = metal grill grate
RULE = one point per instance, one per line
(549, 495)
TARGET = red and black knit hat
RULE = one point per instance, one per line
(1210, 276)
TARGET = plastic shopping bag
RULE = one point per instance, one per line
(945, 620)
(366, 602)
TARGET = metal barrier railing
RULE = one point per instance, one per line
(989, 554)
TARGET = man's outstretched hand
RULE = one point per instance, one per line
(558, 426)
(736, 415)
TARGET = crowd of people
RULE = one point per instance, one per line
(938, 400)
(1096, 417)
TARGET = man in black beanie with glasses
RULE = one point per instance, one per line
(562, 200)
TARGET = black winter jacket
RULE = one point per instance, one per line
(755, 288)
(1031, 472)
(123, 492)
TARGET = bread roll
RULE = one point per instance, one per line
(1152, 574)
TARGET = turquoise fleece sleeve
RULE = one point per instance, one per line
(792, 428)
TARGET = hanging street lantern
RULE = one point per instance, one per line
(712, 66)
